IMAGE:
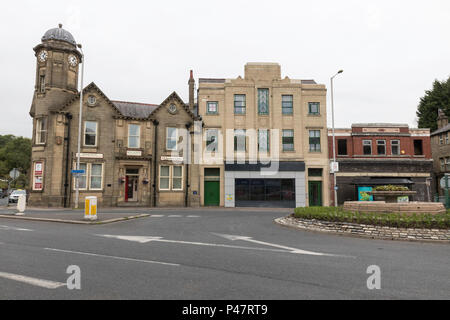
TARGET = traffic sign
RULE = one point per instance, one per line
(14, 174)
(78, 171)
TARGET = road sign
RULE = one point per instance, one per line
(14, 174)
(78, 172)
(442, 182)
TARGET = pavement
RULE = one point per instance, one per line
(211, 254)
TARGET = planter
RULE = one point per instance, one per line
(392, 196)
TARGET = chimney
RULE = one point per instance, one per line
(442, 119)
(191, 91)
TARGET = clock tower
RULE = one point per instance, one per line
(56, 83)
(57, 61)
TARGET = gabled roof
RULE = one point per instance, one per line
(175, 96)
(441, 130)
(135, 109)
(91, 86)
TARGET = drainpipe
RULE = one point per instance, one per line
(67, 140)
(186, 200)
(155, 157)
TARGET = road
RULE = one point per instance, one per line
(212, 254)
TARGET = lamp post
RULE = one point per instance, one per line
(77, 178)
(334, 138)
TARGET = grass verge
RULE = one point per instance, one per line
(397, 220)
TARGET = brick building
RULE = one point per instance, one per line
(379, 154)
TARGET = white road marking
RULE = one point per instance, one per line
(290, 249)
(175, 216)
(113, 257)
(193, 216)
(157, 216)
(32, 281)
(143, 239)
(14, 228)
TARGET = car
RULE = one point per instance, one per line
(14, 196)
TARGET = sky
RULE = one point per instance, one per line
(142, 51)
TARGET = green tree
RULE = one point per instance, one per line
(434, 99)
(15, 152)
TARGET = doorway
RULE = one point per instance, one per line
(132, 185)
(315, 194)
(212, 187)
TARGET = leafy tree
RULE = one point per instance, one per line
(434, 99)
(15, 152)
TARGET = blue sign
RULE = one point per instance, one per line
(363, 195)
(78, 171)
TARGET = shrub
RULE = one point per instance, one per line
(391, 188)
(399, 220)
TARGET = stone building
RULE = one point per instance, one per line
(258, 121)
(131, 153)
(376, 154)
(440, 147)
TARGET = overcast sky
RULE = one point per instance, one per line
(391, 51)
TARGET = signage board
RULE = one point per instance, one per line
(133, 153)
(363, 194)
(90, 155)
(334, 167)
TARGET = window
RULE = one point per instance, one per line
(287, 105)
(446, 138)
(314, 108)
(212, 107)
(395, 147)
(442, 164)
(42, 84)
(134, 136)
(95, 181)
(171, 139)
(418, 147)
(367, 147)
(239, 103)
(342, 147)
(90, 133)
(82, 177)
(441, 139)
(239, 140)
(288, 140)
(177, 178)
(212, 140)
(381, 147)
(164, 178)
(315, 172)
(41, 130)
(170, 178)
(263, 140)
(447, 163)
(263, 101)
(92, 100)
(314, 140)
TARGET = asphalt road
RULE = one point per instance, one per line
(183, 254)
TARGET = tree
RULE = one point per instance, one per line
(15, 152)
(434, 99)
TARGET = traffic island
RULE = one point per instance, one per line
(70, 217)
(384, 226)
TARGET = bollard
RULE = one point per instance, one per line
(90, 208)
(21, 205)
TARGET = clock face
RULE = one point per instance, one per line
(73, 61)
(43, 55)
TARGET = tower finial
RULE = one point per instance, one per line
(60, 25)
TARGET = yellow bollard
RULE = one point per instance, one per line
(90, 209)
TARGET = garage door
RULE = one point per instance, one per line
(271, 193)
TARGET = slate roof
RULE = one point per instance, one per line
(134, 109)
(441, 130)
(59, 34)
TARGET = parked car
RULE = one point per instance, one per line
(2, 194)
(14, 196)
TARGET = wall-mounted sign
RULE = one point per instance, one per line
(134, 153)
(38, 176)
(91, 155)
(334, 167)
(381, 130)
(173, 159)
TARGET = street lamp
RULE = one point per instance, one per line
(334, 139)
(77, 177)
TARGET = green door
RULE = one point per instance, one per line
(315, 194)
(212, 193)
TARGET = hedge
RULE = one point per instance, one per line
(398, 220)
